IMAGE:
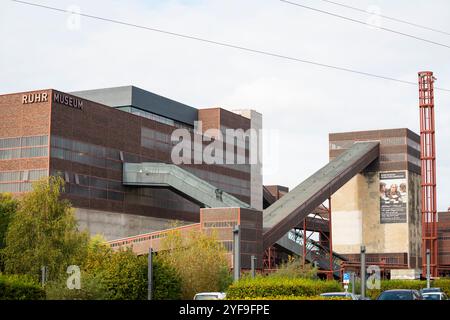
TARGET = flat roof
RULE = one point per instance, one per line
(136, 97)
(373, 134)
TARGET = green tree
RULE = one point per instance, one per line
(44, 232)
(294, 268)
(166, 281)
(200, 261)
(117, 276)
(8, 207)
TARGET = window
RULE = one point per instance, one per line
(415, 145)
(9, 143)
(393, 157)
(414, 160)
(10, 176)
(98, 193)
(34, 152)
(23, 147)
(26, 175)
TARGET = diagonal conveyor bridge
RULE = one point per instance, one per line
(280, 217)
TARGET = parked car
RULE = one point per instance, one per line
(210, 296)
(400, 294)
(347, 295)
(434, 296)
(429, 290)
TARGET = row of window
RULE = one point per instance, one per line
(160, 199)
(85, 148)
(89, 181)
(155, 145)
(393, 157)
(82, 158)
(93, 193)
(91, 187)
(90, 154)
(25, 175)
(397, 157)
(94, 155)
(414, 160)
(155, 117)
(98, 188)
(15, 187)
(226, 183)
(346, 144)
(219, 224)
(413, 144)
(33, 152)
(137, 240)
(18, 142)
(147, 133)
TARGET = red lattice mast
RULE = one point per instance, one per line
(428, 162)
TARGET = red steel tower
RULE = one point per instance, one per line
(428, 162)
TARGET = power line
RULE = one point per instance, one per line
(223, 44)
(367, 24)
(388, 17)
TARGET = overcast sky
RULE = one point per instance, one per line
(301, 103)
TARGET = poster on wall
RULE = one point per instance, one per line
(393, 197)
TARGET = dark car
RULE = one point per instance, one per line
(400, 294)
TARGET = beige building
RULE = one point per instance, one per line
(379, 208)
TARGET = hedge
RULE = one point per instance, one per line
(263, 287)
(443, 283)
(17, 287)
(294, 298)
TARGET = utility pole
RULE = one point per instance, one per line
(44, 275)
(236, 253)
(428, 268)
(363, 272)
(150, 274)
(253, 266)
(353, 280)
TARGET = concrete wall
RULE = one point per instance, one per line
(256, 180)
(415, 220)
(113, 225)
(356, 219)
(347, 217)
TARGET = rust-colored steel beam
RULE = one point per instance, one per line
(428, 170)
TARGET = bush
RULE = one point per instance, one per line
(8, 207)
(198, 259)
(167, 284)
(276, 286)
(15, 287)
(294, 268)
(91, 289)
(294, 298)
(444, 284)
(106, 282)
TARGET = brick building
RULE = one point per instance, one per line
(85, 137)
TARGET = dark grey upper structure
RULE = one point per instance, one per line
(136, 100)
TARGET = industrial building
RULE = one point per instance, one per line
(85, 137)
(113, 147)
